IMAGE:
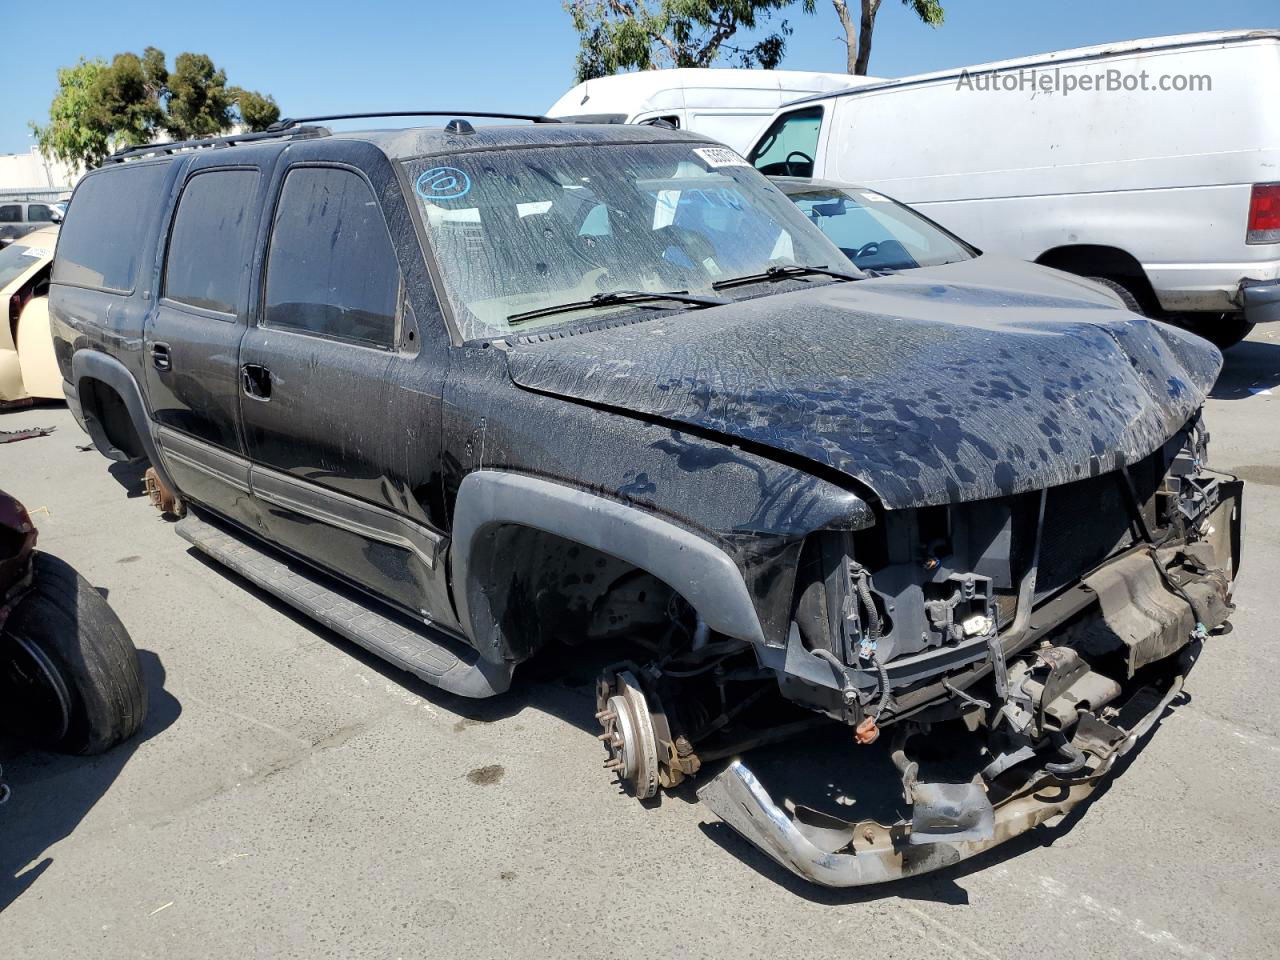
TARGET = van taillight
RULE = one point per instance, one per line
(1264, 213)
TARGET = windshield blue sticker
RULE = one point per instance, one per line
(720, 157)
(443, 183)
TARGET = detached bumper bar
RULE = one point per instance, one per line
(1261, 301)
(834, 853)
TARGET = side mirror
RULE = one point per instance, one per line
(55, 217)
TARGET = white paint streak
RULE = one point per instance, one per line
(1166, 941)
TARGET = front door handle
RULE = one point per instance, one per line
(255, 380)
(160, 355)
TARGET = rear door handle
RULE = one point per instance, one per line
(255, 380)
(160, 355)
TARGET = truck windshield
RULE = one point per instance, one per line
(522, 232)
(878, 234)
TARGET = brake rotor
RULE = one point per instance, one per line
(629, 737)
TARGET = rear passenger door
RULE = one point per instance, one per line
(340, 412)
(193, 335)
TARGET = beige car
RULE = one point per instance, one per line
(27, 366)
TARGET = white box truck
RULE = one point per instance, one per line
(1152, 163)
(730, 105)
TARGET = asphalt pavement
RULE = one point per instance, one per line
(291, 795)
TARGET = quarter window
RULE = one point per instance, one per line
(331, 269)
(209, 244)
(102, 240)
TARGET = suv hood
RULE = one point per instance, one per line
(972, 380)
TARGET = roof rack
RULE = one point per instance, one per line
(289, 123)
(293, 132)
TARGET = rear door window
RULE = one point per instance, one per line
(790, 145)
(11, 213)
(100, 244)
(209, 244)
(331, 269)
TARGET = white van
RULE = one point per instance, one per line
(1152, 163)
(728, 105)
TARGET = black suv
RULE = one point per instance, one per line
(460, 392)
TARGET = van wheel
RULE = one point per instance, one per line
(1124, 293)
(1223, 330)
(69, 673)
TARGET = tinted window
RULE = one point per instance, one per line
(209, 244)
(789, 146)
(331, 269)
(100, 244)
(39, 213)
(11, 213)
(877, 233)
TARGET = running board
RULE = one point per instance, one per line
(438, 659)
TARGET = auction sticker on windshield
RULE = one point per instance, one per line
(720, 157)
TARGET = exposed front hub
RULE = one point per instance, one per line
(629, 736)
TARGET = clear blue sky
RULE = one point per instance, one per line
(320, 56)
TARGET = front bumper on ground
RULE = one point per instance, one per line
(1155, 622)
(834, 853)
(1261, 301)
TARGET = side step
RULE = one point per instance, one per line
(438, 659)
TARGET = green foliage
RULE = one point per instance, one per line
(617, 35)
(257, 112)
(75, 133)
(929, 11)
(101, 107)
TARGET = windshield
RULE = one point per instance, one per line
(16, 259)
(520, 231)
(879, 234)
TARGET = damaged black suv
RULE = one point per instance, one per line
(458, 393)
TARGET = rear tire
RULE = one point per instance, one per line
(1223, 330)
(1124, 293)
(68, 669)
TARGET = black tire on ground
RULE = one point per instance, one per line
(63, 626)
(1223, 330)
(1124, 293)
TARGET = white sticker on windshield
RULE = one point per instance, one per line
(874, 197)
(720, 157)
(33, 252)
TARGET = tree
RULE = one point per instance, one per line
(76, 133)
(619, 35)
(858, 39)
(101, 107)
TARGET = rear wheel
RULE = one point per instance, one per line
(1124, 293)
(1223, 330)
(69, 674)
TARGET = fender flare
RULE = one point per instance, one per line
(107, 369)
(702, 572)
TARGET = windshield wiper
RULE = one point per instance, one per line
(613, 298)
(783, 273)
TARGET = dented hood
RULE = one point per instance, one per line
(972, 380)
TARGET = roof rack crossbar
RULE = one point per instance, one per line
(287, 123)
(174, 146)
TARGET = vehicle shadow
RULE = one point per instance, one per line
(559, 680)
(52, 792)
(1247, 369)
(130, 476)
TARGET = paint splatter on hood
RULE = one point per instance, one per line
(973, 380)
